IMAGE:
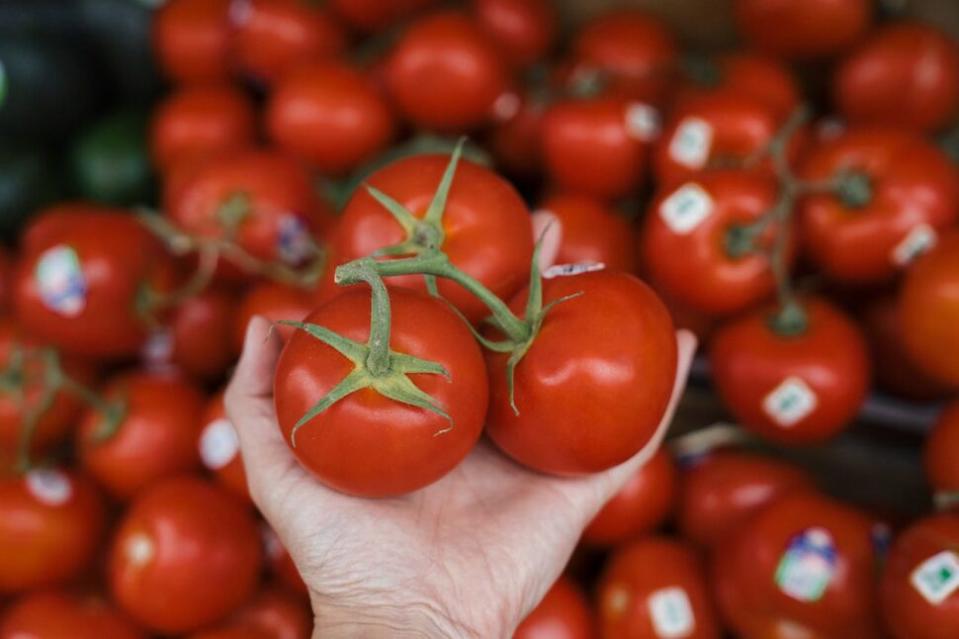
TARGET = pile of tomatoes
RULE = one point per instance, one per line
(368, 175)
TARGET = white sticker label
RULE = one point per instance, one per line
(671, 613)
(691, 143)
(807, 566)
(937, 577)
(686, 208)
(50, 487)
(293, 242)
(790, 402)
(920, 239)
(218, 444)
(642, 122)
(565, 270)
(60, 281)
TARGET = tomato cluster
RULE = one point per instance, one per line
(463, 227)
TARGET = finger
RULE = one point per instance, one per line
(546, 226)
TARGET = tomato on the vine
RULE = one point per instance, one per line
(905, 74)
(918, 594)
(792, 387)
(275, 302)
(894, 193)
(445, 74)
(641, 505)
(186, 554)
(271, 36)
(366, 443)
(721, 492)
(941, 449)
(219, 448)
(523, 30)
(653, 588)
(687, 240)
(330, 115)
(563, 613)
(372, 15)
(800, 29)
(929, 311)
(804, 566)
(153, 437)
(82, 276)
(589, 231)
(201, 121)
(51, 522)
(197, 339)
(58, 614)
(606, 358)
(191, 40)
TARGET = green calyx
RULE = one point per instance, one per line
(790, 320)
(854, 189)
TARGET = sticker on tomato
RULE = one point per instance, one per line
(566, 270)
(60, 281)
(642, 122)
(807, 566)
(671, 613)
(218, 444)
(293, 242)
(790, 402)
(686, 208)
(50, 487)
(691, 143)
(937, 577)
(919, 240)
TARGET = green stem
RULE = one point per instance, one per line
(378, 358)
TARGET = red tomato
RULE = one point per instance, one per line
(929, 311)
(277, 614)
(941, 446)
(591, 232)
(722, 491)
(634, 53)
(330, 115)
(50, 524)
(655, 588)
(155, 438)
(523, 30)
(515, 139)
(592, 147)
(802, 567)
(275, 302)
(798, 29)
(562, 614)
(63, 615)
(445, 74)
(372, 15)
(486, 226)
(271, 36)
(82, 272)
(201, 121)
(367, 444)
(640, 506)
(219, 448)
(191, 40)
(792, 389)
(606, 358)
(198, 339)
(903, 75)
(186, 554)
(281, 565)
(918, 594)
(913, 193)
(233, 632)
(684, 241)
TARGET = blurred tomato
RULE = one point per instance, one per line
(941, 449)
(797, 29)
(589, 231)
(523, 30)
(276, 613)
(275, 302)
(372, 15)
(562, 614)
(219, 448)
(64, 615)
(281, 564)
(515, 138)
(191, 40)
(6, 280)
(197, 339)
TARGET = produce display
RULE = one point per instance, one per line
(478, 221)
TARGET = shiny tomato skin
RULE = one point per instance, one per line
(588, 148)
(185, 555)
(275, 302)
(606, 358)
(939, 460)
(155, 439)
(367, 444)
(904, 75)
(654, 567)
(640, 506)
(191, 40)
(63, 615)
(907, 612)
(745, 567)
(113, 255)
(816, 28)
(634, 53)
(721, 492)
(330, 115)
(523, 30)
(444, 74)
(692, 265)
(201, 121)
(914, 185)
(373, 15)
(219, 448)
(486, 224)
(591, 232)
(929, 311)
(829, 362)
(564, 613)
(271, 36)
(516, 141)
(200, 328)
(51, 522)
